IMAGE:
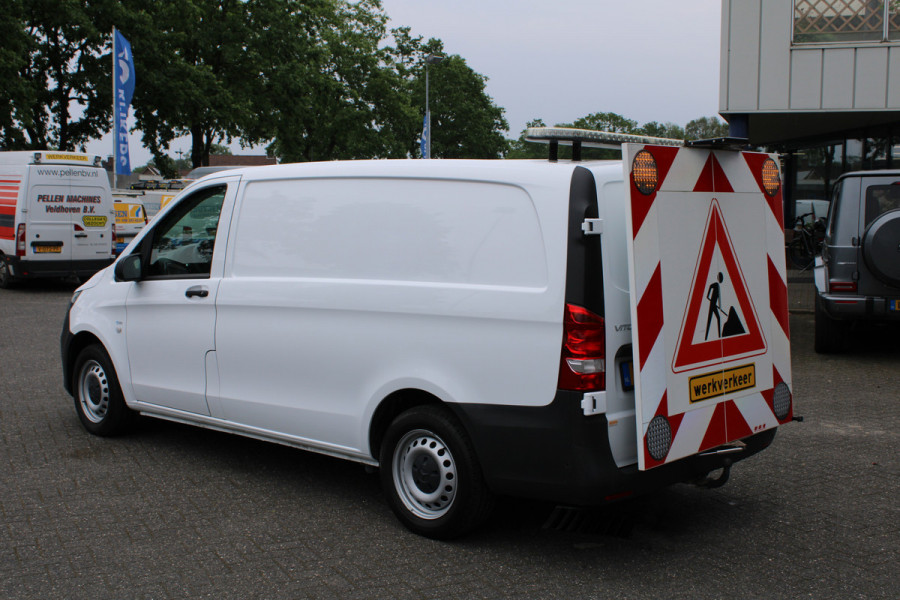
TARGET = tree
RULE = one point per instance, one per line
(465, 121)
(55, 66)
(332, 87)
(663, 130)
(705, 128)
(196, 73)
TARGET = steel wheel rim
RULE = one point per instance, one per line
(424, 474)
(93, 391)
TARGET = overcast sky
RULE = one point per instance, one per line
(649, 60)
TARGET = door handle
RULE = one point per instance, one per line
(197, 290)
(81, 235)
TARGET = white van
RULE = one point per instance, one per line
(472, 328)
(56, 215)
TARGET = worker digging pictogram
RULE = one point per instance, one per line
(713, 331)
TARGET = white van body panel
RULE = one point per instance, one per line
(380, 259)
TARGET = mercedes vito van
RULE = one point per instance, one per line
(470, 328)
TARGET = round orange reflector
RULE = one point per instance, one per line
(644, 172)
(771, 178)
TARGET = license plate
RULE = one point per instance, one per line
(627, 370)
(47, 249)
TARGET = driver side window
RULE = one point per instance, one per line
(181, 245)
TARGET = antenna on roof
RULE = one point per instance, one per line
(588, 138)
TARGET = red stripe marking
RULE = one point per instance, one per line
(640, 204)
(650, 315)
(715, 432)
(769, 395)
(713, 178)
(755, 162)
(674, 424)
(778, 298)
(735, 424)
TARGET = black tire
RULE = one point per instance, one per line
(98, 397)
(431, 476)
(6, 279)
(799, 255)
(830, 334)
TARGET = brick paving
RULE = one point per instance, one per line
(176, 512)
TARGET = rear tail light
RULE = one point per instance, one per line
(20, 240)
(582, 366)
(848, 287)
(115, 238)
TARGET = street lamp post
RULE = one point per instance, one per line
(431, 59)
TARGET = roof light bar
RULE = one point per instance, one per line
(589, 138)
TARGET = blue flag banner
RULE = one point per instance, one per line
(423, 143)
(123, 90)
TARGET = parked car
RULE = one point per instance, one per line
(130, 219)
(857, 275)
(146, 184)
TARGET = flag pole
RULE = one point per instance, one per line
(115, 124)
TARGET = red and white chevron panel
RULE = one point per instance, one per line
(709, 236)
(9, 191)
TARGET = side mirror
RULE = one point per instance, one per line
(129, 268)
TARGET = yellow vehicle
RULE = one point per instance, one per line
(130, 219)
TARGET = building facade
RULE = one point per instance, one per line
(818, 81)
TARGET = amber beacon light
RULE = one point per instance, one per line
(770, 177)
(645, 172)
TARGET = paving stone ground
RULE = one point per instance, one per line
(176, 512)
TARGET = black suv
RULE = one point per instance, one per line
(858, 273)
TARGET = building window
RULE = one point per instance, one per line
(823, 21)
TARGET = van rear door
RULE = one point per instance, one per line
(69, 210)
(708, 298)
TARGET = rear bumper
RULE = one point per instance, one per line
(860, 308)
(26, 269)
(558, 454)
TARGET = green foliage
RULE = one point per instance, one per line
(55, 65)
(465, 121)
(705, 128)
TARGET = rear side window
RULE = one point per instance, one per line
(451, 232)
(881, 199)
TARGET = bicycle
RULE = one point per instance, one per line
(809, 234)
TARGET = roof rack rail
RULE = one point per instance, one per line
(588, 138)
(722, 143)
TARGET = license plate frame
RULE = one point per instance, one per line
(48, 249)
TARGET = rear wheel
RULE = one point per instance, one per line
(431, 475)
(830, 334)
(6, 278)
(98, 397)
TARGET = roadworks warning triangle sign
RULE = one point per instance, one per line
(727, 331)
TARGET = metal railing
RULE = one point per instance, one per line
(837, 21)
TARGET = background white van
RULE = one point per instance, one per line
(56, 215)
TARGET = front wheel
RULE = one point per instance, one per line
(98, 397)
(431, 475)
